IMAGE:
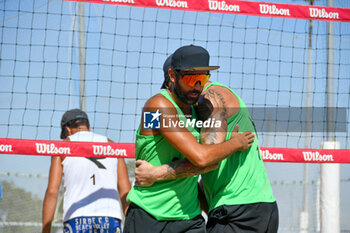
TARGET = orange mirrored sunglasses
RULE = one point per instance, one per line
(192, 79)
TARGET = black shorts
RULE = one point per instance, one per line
(248, 218)
(139, 221)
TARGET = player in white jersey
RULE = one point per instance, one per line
(93, 187)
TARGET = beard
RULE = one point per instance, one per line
(185, 96)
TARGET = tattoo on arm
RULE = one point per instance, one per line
(184, 168)
(213, 105)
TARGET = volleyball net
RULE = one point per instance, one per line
(106, 56)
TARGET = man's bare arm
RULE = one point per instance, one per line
(147, 175)
(184, 168)
(51, 194)
(123, 183)
(212, 105)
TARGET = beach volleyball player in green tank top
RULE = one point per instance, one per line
(238, 192)
(167, 133)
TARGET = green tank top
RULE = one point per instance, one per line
(240, 178)
(165, 200)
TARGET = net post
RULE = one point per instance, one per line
(304, 221)
(330, 186)
(330, 175)
(82, 55)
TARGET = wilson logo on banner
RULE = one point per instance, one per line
(65, 148)
(240, 7)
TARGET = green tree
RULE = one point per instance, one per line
(18, 205)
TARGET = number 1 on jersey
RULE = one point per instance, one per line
(93, 179)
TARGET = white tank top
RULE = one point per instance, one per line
(90, 185)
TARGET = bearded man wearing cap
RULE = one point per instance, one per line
(238, 192)
(172, 205)
(93, 187)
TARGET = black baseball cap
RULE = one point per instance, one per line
(72, 114)
(191, 58)
(166, 66)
